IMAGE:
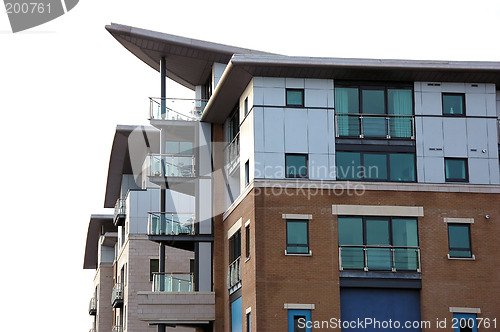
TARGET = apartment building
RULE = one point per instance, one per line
(325, 191)
(118, 248)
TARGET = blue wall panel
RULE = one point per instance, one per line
(379, 304)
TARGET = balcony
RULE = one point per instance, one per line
(176, 308)
(93, 306)
(176, 109)
(173, 282)
(117, 328)
(379, 258)
(164, 223)
(376, 126)
(117, 296)
(120, 212)
(232, 154)
(234, 275)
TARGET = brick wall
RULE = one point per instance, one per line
(270, 278)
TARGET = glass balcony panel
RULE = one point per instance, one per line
(348, 125)
(173, 282)
(401, 127)
(406, 259)
(234, 273)
(171, 223)
(174, 165)
(374, 126)
(176, 109)
(379, 259)
(353, 258)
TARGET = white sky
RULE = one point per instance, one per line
(65, 85)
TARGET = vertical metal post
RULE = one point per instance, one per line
(163, 193)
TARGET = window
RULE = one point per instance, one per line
(376, 166)
(454, 104)
(154, 267)
(235, 247)
(296, 165)
(459, 241)
(456, 170)
(295, 97)
(374, 111)
(249, 322)
(378, 243)
(172, 147)
(236, 316)
(245, 106)
(297, 236)
(247, 241)
(234, 124)
(464, 322)
(247, 173)
(298, 320)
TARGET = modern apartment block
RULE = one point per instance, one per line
(126, 262)
(324, 192)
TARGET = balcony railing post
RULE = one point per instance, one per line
(365, 266)
(361, 129)
(419, 268)
(340, 259)
(393, 265)
(388, 130)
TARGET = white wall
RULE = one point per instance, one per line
(279, 129)
(217, 71)
(473, 136)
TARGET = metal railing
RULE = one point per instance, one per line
(379, 258)
(232, 150)
(374, 125)
(175, 165)
(117, 293)
(117, 328)
(176, 108)
(234, 273)
(120, 207)
(173, 282)
(93, 306)
(166, 223)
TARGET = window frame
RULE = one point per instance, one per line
(302, 104)
(247, 241)
(388, 166)
(235, 246)
(245, 107)
(151, 272)
(298, 176)
(460, 249)
(247, 173)
(466, 165)
(390, 220)
(463, 114)
(467, 316)
(294, 245)
(292, 313)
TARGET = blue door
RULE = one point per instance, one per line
(378, 307)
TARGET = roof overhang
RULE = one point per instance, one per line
(130, 147)
(188, 61)
(242, 68)
(99, 224)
